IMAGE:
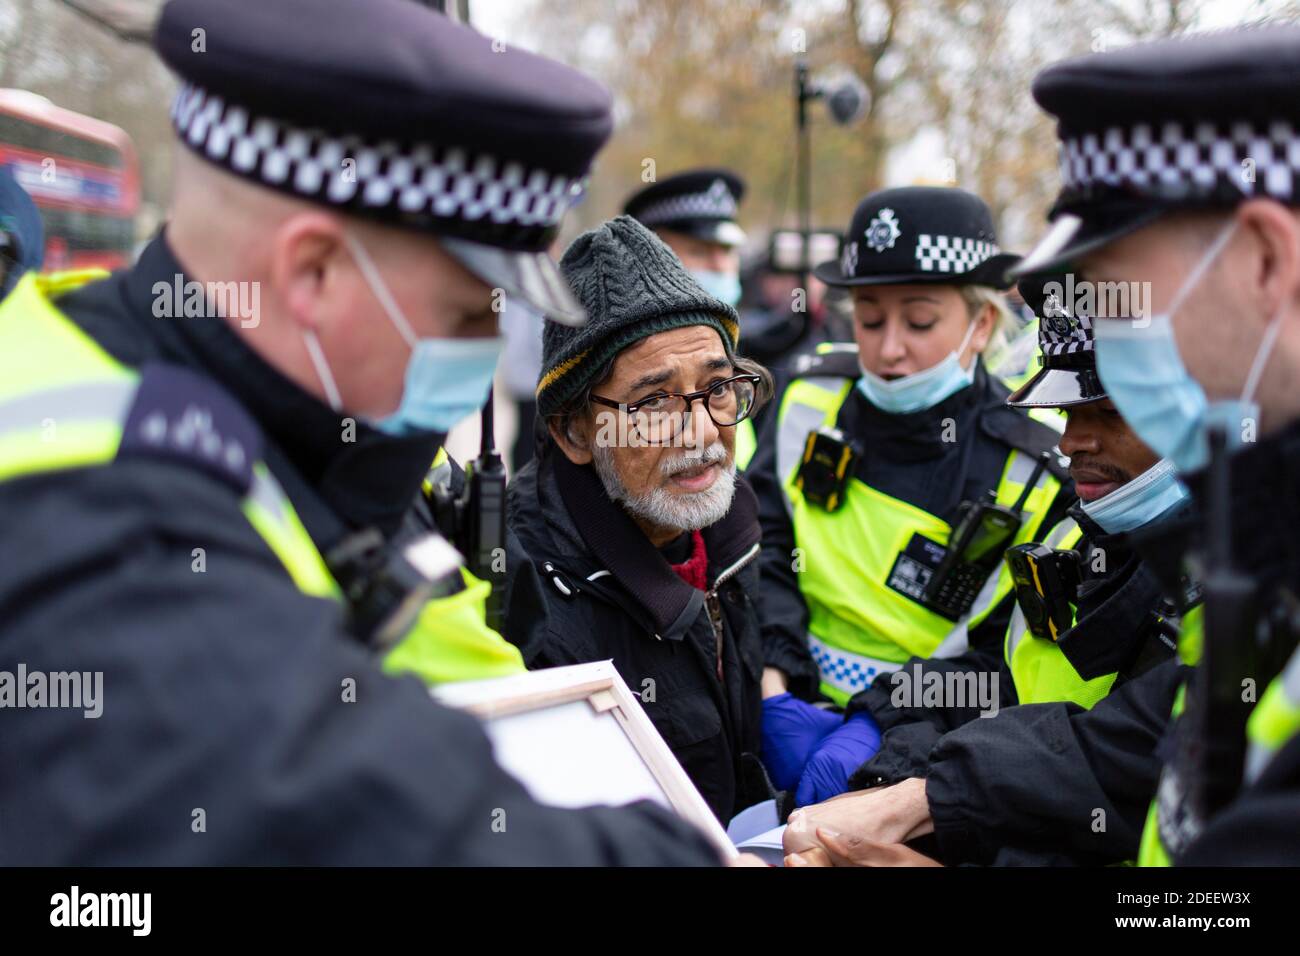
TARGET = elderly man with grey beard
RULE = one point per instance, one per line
(643, 537)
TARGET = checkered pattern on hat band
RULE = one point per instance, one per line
(1185, 154)
(716, 202)
(955, 254)
(1060, 333)
(406, 179)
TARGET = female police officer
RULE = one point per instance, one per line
(893, 475)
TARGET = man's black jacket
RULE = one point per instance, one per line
(231, 699)
(607, 593)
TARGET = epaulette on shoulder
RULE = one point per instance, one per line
(181, 416)
(1024, 434)
(837, 359)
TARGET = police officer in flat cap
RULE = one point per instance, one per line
(880, 464)
(1180, 185)
(694, 213)
(211, 458)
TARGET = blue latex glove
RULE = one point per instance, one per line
(839, 754)
(791, 729)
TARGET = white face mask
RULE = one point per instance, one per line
(1138, 502)
(920, 390)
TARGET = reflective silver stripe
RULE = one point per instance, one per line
(107, 401)
(1258, 755)
(1022, 467)
(796, 422)
(1018, 628)
(844, 670)
(267, 494)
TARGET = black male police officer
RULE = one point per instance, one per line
(1179, 169)
(372, 171)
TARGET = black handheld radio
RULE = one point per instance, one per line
(1231, 622)
(485, 518)
(983, 532)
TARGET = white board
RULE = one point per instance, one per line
(577, 736)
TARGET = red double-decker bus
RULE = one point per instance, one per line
(82, 174)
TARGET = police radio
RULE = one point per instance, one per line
(475, 520)
(386, 586)
(829, 459)
(1231, 622)
(1047, 587)
(983, 531)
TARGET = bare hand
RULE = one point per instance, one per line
(881, 815)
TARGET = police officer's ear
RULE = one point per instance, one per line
(571, 434)
(1273, 273)
(309, 260)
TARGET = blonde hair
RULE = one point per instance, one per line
(976, 298)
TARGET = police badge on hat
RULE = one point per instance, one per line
(1065, 340)
(948, 238)
(883, 231)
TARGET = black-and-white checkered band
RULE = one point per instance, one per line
(1060, 333)
(410, 181)
(716, 202)
(1259, 160)
(955, 254)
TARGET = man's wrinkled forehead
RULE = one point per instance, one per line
(659, 359)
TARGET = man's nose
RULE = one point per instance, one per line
(1078, 438)
(700, 430)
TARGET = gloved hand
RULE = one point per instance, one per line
(791, 729)
(840, 753)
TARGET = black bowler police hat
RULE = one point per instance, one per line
(698, 202)
(1196, 122)
(920, 234)
(1069, 373)
(388, 110)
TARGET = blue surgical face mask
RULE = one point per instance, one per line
(923, 389)
(1138, 502)
(1145, 377)
(446, 380)
(720, 285)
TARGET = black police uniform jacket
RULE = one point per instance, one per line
(223, 690)
(607, 593)
(1261, 825)
(1012, 788)
(906, 458)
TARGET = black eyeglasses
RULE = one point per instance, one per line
(658, 419)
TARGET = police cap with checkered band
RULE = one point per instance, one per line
(1069, 373)
(697, 202)
(387, 110)
(920, 234)
(1196, 122)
